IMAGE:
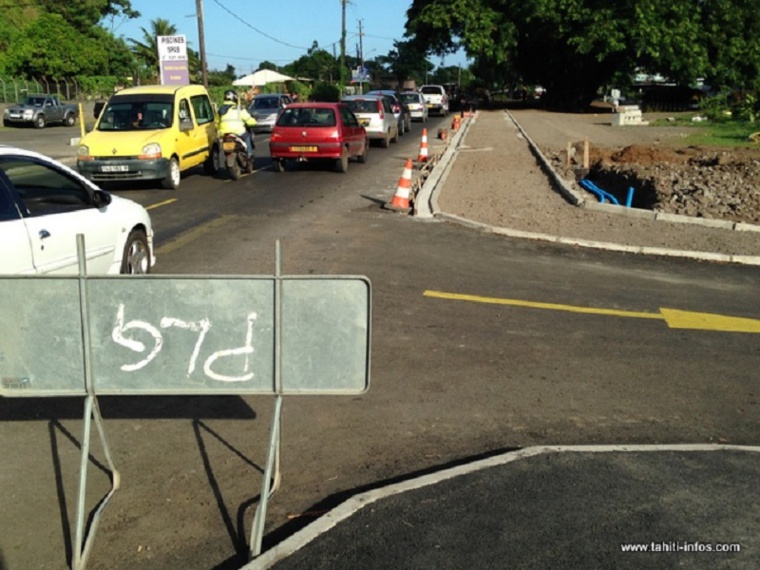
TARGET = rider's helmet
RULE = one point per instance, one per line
(231, 96)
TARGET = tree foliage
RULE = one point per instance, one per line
(57, 38)
(574, 47)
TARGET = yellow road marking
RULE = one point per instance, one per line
(674, 318)
(164, 203)
(191, 235)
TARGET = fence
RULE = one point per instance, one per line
(14, 89)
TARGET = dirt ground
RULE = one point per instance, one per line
(496, 180)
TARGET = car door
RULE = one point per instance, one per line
(205, 125)
(56, 207)
(17, 249)
(353, 132)
(188, 140)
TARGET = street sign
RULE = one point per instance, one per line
(154, 335)
(173, 61)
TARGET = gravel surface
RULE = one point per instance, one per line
(497, 180)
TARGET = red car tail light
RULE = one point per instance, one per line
(380, 109)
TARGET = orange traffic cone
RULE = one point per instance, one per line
(423, 156)
(400, 201)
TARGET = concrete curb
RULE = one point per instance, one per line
(426, 202)
(356, 503)
(428, 207)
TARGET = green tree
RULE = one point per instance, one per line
(50, 47)
(573, 47)
(146, 51)
(218, 78)
(317, 64)
(82, 15)
(406, 61)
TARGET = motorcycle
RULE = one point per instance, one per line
(236, 157)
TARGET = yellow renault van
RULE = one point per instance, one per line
(154, 132)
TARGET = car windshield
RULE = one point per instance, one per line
(35, 101)
(136, 115)
(431, 90)
(410, 98)
(307, 117)
(265, 103)
(363, 105)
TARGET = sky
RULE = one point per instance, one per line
(243, 33)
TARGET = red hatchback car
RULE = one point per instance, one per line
(317, 131)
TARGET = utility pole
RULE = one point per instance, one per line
(343, 45)
(361, 60)
(201, 41)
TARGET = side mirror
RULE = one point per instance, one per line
(101, 199)
(185, 125)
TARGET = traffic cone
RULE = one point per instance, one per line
(400, 201)
(423, 156)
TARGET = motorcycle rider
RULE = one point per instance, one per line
(236, 120)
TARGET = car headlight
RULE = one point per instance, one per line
(151, 151)
(83, 153)
(6, 112)
(28, 113)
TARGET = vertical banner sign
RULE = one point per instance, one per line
(172, 57)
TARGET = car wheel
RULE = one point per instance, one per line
(6, 123)
(39, 122)
(341, 165)
(363, 156)
(69, 120)
(386, 141)
(279, 165)
(171, 182)
(401, 128)
(395, 136)
(136, 257)
(211, 164)
(234, 170)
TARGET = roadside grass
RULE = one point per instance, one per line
(714, 133)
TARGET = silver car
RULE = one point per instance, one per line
(417, 106)
(375, 114)
(265, 107)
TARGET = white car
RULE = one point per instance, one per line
(45, 204)
(436, 98)
(417, 105)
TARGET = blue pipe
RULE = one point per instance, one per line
(601, 194)
(629, 199)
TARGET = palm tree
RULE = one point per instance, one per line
(146, 51)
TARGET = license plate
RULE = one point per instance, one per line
(228, 146)
(114, 168)
(364, 122)
(303, 149)
(430, 105)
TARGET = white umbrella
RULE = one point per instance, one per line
(262, 77)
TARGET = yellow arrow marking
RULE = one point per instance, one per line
(674, 318)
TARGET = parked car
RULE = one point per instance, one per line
(307, 132)
(265, 107)
(417, 106)
(154, 132)
(45, 204)
(40, 111)
(400, 110)
(436, 98)
(375, 114)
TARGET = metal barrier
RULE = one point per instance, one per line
(182, 335)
